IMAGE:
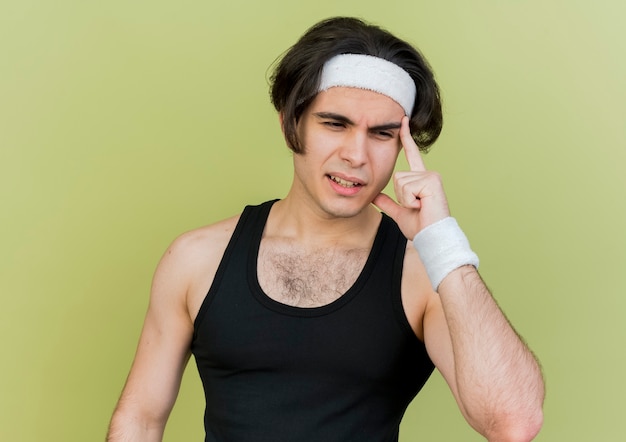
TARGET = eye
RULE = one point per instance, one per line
(334, 124)
(385, 135)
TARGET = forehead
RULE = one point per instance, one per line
(354, 101)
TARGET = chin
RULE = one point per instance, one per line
(344, 209)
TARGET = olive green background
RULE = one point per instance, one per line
(125, 123)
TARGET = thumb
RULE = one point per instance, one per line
(387, 205)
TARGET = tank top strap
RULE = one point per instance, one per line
(249, 226)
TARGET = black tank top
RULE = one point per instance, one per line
(345, 371)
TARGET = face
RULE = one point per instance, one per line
(351, 142)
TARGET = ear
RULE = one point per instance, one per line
(281, 119)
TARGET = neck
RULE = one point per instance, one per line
(290, 218)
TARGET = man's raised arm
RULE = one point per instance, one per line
(494, 377)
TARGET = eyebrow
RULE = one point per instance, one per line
(348, 121)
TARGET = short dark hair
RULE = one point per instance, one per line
(295, 80)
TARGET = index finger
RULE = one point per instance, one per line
(411, 151)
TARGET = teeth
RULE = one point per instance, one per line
(343, 182)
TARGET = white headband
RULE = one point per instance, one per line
(371, 73)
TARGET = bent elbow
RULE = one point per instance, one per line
(518, 430)
(534, 426)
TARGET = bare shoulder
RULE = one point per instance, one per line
(194, 257)
(417, 293)
(201, 243)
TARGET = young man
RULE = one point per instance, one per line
(317, 317)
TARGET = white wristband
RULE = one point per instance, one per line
(443, 247)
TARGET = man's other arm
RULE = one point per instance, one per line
(162, 354)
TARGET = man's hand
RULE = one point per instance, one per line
(421, 198)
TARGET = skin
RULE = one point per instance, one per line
(352, 139)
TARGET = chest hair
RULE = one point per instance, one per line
(307, 278)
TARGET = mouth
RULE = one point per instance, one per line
(344, 183)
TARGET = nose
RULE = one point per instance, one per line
(354, 149)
